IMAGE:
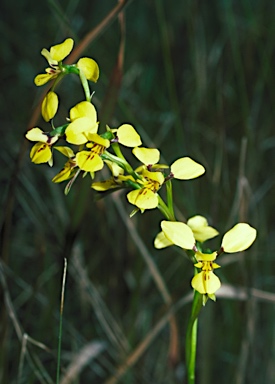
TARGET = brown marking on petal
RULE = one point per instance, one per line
(42, 148)
(91, 156)
(152, 185)
(98, 149)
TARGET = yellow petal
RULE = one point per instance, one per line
(206, 282)
(76, 132)
(114, 168)
(178, 233)
(186, 169)
(43, 78)
(84, 109)
(215, 266)
(161, 241)
(239, 238)
(206, 256)
(49, 106)
(64, 174)
(36, 134)
(66, 151)
(205, 233)
(197, 222)
(155, 176)
(143, 198)
(40, 153)
(147, 156)
(133, 195)
(199, 264)
(128, 136)
(95, 138)
(201, 230)
(89, 67)
(105, 185)
(48, 57)
(89, 161)
(60, 51)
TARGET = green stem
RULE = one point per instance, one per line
(61, 321)
(191, 337)
(57, 81)
(169, 192)
(118, 160)
(85, 85)
(165, 210)
(117, 151)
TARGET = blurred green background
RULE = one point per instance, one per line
(198, 81)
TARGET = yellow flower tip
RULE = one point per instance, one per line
(147, 156)
(206, 282)
(60, 51)
(238, 238)
(49, 106)
(89, 67)
(186, 169)
(211, 296)
(128, 136)
(178, 233)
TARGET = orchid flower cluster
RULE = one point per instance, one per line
(89, 148)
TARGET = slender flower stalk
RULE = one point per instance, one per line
(170, 202)
(191, 338)
(164, 209)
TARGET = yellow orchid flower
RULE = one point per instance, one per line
(206, 282)
(237, 239)
(201, 230)
(146, 197)
(54, 57)
(90, 161)
(83, 117)
(41, 152)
